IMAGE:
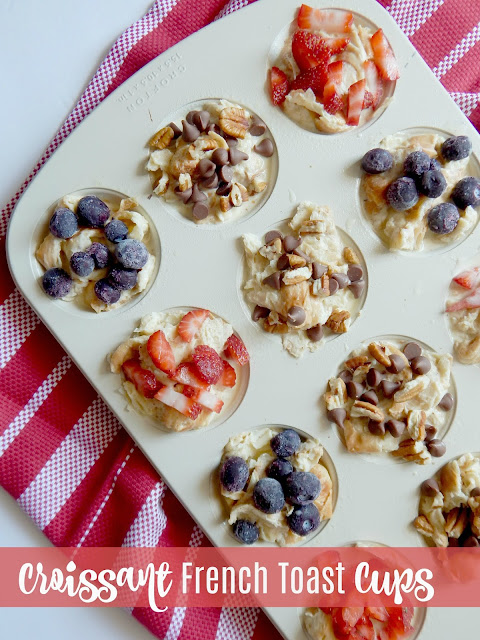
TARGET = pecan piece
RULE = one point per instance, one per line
(233, 121)
(416, 424)
(456, 522)
(411, 389)
(161, 139)
(350, 256)
(312, 226)
(225, 204)
(337, 321)
(378, 352)
(277, 327)
(355, 362)
(413, 451)
(296, 261)
(238, 194)
(423, 525)
(362, 409)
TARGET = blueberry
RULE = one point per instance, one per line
(467, 193)
(63, 223)
(377, 161)
(245, 531)
(132, 254)
(285, 443)
(93, 212)
(402, 194)
(302, 487)
(268, 495)
(432, 183)
(303, 520)
(56, 283)
(279, 469)
(234, 474)
(434, 164)
(443, 218)
(116, 230)
(100, 254)
(123, 279)
(107, 292)
(456, 148)
(82, 264)
(416, 163)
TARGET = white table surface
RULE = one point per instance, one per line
(49, 49)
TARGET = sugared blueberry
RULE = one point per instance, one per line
(434, 164)
(285, 443)
(377, 161)
(93, 212)
(443, 218)
(63, 223)
(268, 495)
(116, 230)
(402, 194)
(246, 531)
(123, 279)
(131, 253)
(433, 183)
(100, 254)
(56, 283)
(416, 163)
(82, 264)
(279, 469)
(456, 148)
(106, 291)
(234, 474)
(467, 193)
(302, 487)
(303, 520)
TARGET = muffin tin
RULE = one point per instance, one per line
(199, 267)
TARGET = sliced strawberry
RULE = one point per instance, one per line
(205, 398)
(191, 323)
(313, 79)
(330, 20)
(235, 349)
(340, 628)
(356, 95)
(161, 352)
(186, 373)
(400, 620)
(384, 56)
(309, 50)
(336, 45)
(365, 628)
(472, 301)
(327, 610)
(377, 613)
(468, 279)
(352, 615)
(228, 377)
(374, 84)
(279, 85)
(144, 380)
(208, 363)
(178, 401)
(331, 99)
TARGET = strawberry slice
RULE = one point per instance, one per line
(313, 79)
(327, 610)
(205, 398)
(331, 99)
(340, 628)
(336, 45)
(472, 301)
(365, 628)
(161, 352)
(351, 615)
(191, 323)
(144, 380)
(356, 95)
(330, 20)
(468, 279)
(377, 613)
(178, 401)
(228, 377)
(374, 84)
(235, 349)
(208, 363)
(279, 85)
(384, 56)
(309, 50)
(400, 620)
(186, 373)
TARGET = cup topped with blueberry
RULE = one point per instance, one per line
(418, 190)
(96, 253)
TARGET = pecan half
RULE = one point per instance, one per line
(362, 409)
(233, 121)
(355, 362)
(337, 321)
(161, 139)
(423, 525)
(378, 352)
(295, 261)
(456, 522)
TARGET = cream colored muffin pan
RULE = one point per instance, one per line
(198, 266)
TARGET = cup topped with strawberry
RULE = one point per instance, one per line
(334, 71)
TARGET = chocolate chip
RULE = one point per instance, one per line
(430, 488)
(264, 148)
(315, 333)
(342, 279)
(283, 262)
(357, 288)
(355, 389)
(453, 542)
(436, 448)
(318, 270)
(396, 427)
(296, 316)
(430, 432)
(337, 416)
(389, 388)
(200, 210)
(474, 493)
(220, 157)
(190, 132)
(376, 428)
(374, 377)
(420, 365)
(274, 280)
(224, 189)
(183, 195)
(471, 541)
(232, 142)
(257, 127)
(197, 195)
(225, 174)
(270, 236)
(398, 363)
(412, 350)
(210, 183)
(446, 403)
(345, 375)
(201, 119)
(176, 130)
(370, 396)
(302, 254)
(333, 286)
(215, 128)
(189, 117)
(290, 243)
(260, 312)
(206, 168)
(355, 272)
(236, 156)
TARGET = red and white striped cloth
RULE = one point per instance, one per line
(82, 479)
